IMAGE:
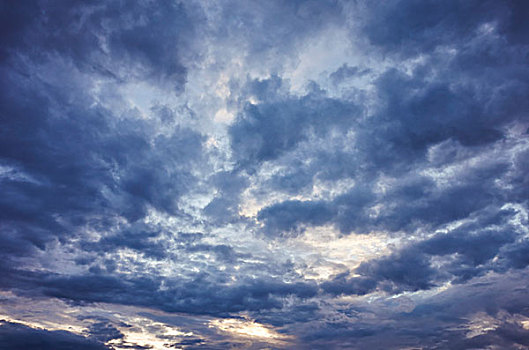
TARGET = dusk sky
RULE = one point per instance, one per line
(264, 174)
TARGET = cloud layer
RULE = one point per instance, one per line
(286, 174)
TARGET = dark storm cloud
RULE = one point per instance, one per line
(15, 336)
(478, 88)
(84, 164)
(77, 165)
(287, 216)
(302, 312)
(103, 36)
(413, 27)
(292, 217)
(264, 131)
(516, 256)
(202, 294)
(104, 331)
(136, 237)
(469, 249)
(342, 285)
(472, 315)
(462, 106)
(412, 203)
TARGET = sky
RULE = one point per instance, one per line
(264, 174)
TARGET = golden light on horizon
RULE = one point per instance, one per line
(250, 329)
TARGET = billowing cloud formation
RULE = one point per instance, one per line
(16, 336)
(285, 174)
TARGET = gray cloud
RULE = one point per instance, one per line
(119, 185)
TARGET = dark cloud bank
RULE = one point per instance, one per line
(441, 162)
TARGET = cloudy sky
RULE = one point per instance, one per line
(264, 174)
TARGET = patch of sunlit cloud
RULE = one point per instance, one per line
(145, 332)
(249, 329)
(327, 252)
